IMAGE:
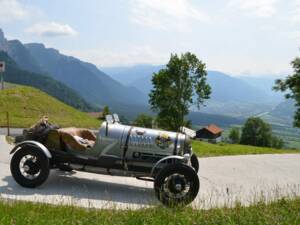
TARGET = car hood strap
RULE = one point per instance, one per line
(126, 148)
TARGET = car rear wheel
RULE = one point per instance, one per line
(176, 185)
(30, 167)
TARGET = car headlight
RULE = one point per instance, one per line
(186, 157)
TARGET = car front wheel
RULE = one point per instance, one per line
(176, 184)
(29, 167)
(195, 162)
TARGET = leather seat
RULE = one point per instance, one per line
(77, 139)
(72, 138)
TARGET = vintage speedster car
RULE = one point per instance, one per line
(166, 158)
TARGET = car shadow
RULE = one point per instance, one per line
(63, 184)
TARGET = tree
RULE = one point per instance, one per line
(277, 142)
(291, 85)
(124, 120)
(176, 88)
(234, 135)
(143, 120)
(105, 112)
(256, 132)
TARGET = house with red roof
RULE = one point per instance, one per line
(211, 133)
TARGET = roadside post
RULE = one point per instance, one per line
(8, 125)
(2, 70)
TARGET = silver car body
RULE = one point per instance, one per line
(137, 147)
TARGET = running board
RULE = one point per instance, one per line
(145, 179)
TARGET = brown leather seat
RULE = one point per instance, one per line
(77, 139)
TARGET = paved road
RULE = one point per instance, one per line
(223, 181)
(13, 131)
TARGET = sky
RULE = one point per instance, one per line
(239, 37)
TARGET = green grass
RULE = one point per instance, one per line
(283, 211)
(203, 149)
(27, 105)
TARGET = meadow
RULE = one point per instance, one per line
(203, 149)
(283, 211)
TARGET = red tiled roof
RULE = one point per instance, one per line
(214, 129)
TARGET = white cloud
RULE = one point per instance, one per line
(295, 14)
(165, 14)
(51, 29)
(259, 8)
(107, 57)
(294, 35)
(11, 10)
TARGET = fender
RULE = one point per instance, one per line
(163, 159)
(34, 144)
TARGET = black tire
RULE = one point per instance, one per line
(167, 173)
(195, 162)
(41, 165)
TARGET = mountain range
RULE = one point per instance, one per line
(224, 87)
(96, 88)
(231, 96)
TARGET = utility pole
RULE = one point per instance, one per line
(2, 70)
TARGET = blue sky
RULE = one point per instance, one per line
(253, 37)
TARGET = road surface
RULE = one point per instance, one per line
(224, 180)
(13, 131)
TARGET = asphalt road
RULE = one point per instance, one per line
(224, 180)
(13, 131)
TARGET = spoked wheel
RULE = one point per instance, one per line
(29, 167)
(176, 185)
(195, 162)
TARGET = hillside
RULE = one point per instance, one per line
(95, 86)
(132, 75)
(47, 84)
(21, 56)
(264, 82)
(26, 105)
(203, 119)
(285, 111)
(281, 118)
(228, 88)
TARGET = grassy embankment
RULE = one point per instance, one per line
(26, 105)
(203, 149)
(280, 212)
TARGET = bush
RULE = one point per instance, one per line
(277, 142)
(234, 135)
(143, 120)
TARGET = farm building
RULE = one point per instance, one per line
(211, 133)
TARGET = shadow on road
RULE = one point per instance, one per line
(63, 184)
